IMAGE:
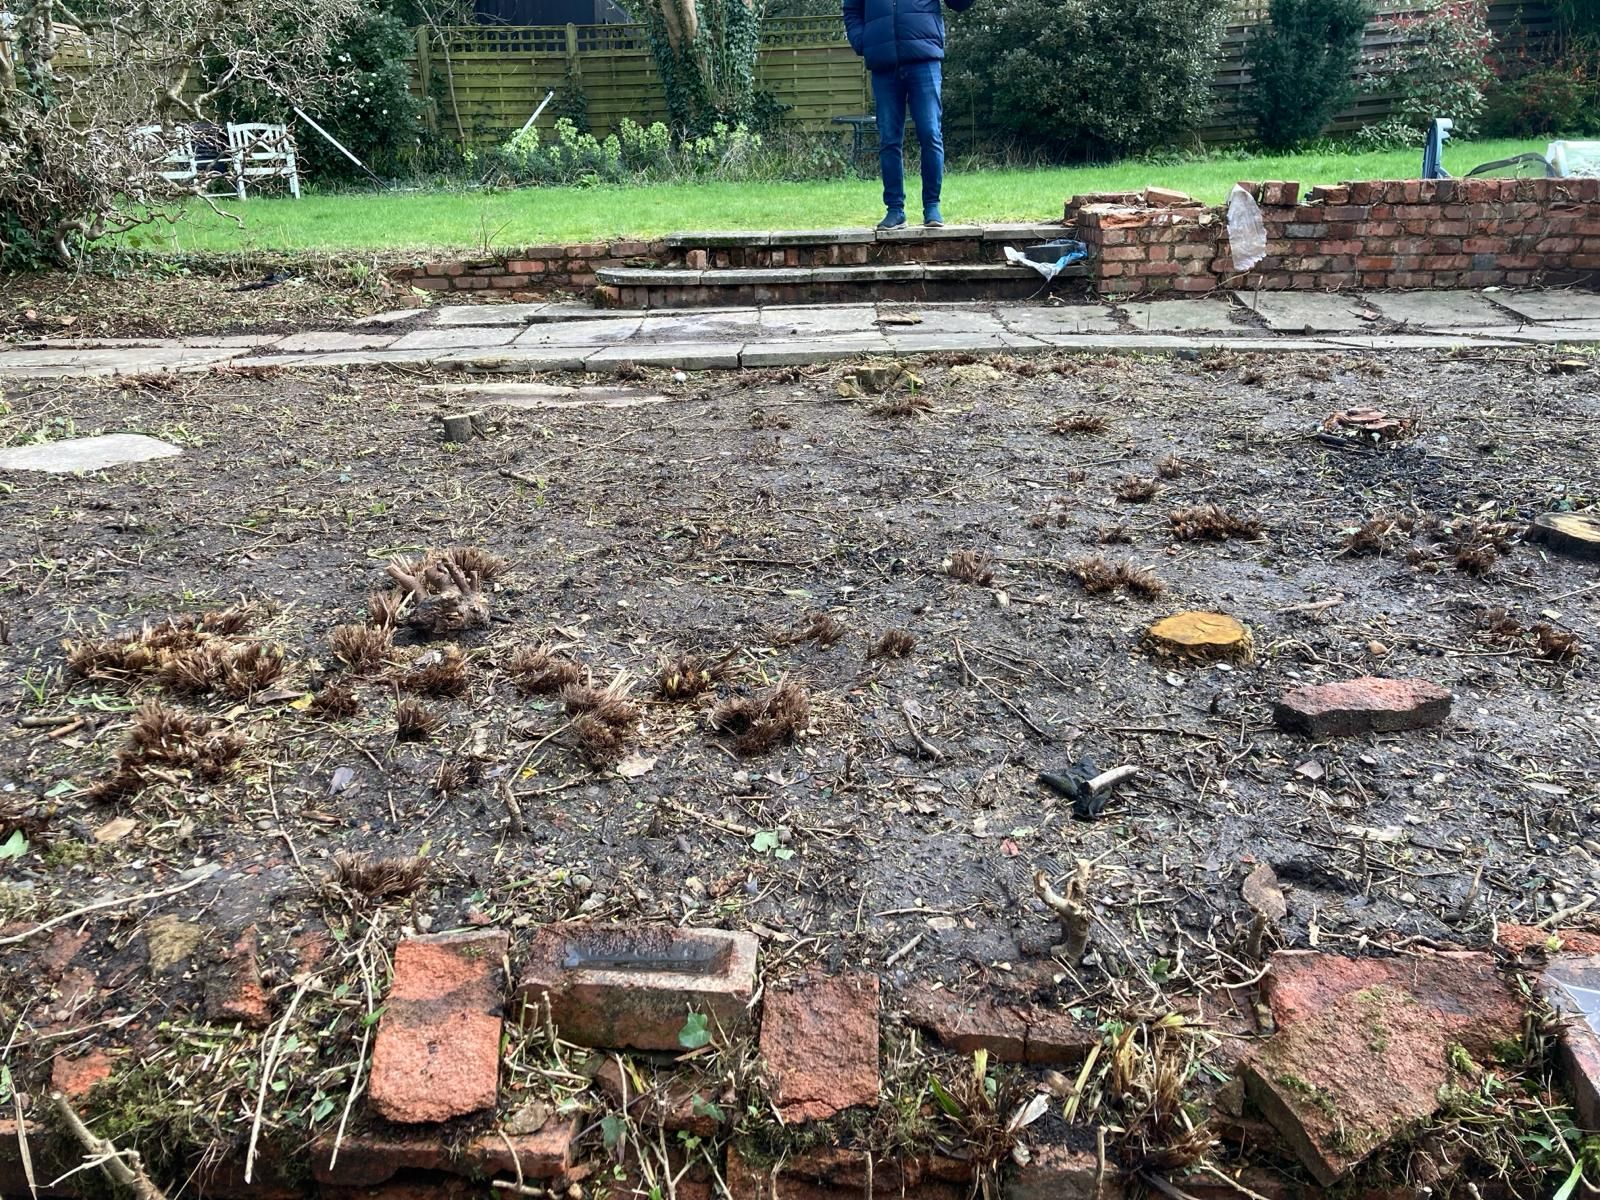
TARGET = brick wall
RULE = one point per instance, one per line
(530, 273)
(1377, 234)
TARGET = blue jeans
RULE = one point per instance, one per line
(914, 86)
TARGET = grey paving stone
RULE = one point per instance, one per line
(1067, 319)
(800, 353)
(891, 272)
(718, 239)
(922, 233)
(707, 356)
(1021, 232)
(1425, 341)
(1557, 304)
(311, 343)
(950, 321)
(146, 360)
(452, 315)
(692, 325)
(1182, 316)
(1439, 310)
(86, 454)
(544, 395)
(453, 339)
(347, 358)
(819, 319)
(393, 317)
(1309, 312)
(599, 331)
(517, 358)
(566, 310)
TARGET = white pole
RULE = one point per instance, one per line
(301, 114)
(536, 112)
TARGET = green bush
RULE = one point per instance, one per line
(1550, 102)
(1302, 63)
(1084, 78)
(1441, 66)
(636, 154)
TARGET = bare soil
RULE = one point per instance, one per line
(905, 822)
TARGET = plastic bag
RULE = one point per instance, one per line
(1574, 159)
(1066, 253)
(1247, 232)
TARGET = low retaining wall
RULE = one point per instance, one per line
(1446, 233)
(530, 273)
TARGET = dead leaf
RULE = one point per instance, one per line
(635, 765)
(1262, 893)
(115, 830)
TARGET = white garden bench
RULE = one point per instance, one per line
(262, 151)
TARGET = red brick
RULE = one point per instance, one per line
(1364, 705)
(642, 1007)
(1278, 193)
(437, 1053)
(233, 991)
(1167, 198)
(1061, 1173)
(1009, 1032)
(819, 1040)
(75, 1077)
(836, 1173)
(526, 266)
(62, 948)
(630, 249)
(1521, 939)
(369, 1158)
(1334, 195)
(1579, 1055)
(1194, 283)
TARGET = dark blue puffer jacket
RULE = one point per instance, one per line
(893, 33)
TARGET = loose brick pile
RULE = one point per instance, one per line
(1445, 233)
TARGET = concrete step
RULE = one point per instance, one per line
(636, 287)
(754, 250)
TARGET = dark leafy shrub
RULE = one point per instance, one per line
(1302, 62)
(1550, 102)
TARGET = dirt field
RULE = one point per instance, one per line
(901, 828)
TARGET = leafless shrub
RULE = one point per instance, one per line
(970, 566)
(360, 647)
(1207, 522)
(1134, 490)
(378, 878)
(543, 671)
(894, 643)
(443, 675)
(414, 721)
(758, 723)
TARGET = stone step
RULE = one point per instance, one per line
(852, 247)
(637, 287)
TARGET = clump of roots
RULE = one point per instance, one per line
(1208, 523)
(444, 588)
(905, 404)
(334, 700)
(1134, 490)
(895, 643)
(603, 720)
(1098, 575)
(543, 671)
(378, 878)
(1558, 645)
(385, 608)
(1080, 422)
(1542, 640)
(166, 744)
(685, 676)
(970, 566)
(414, 721)
(1479, 545)
(758, 723)
(438, 673)
(1172, 467)
(817, 627)
(1378, 535)
(189, 653)
(362, 648)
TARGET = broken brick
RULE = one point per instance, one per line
(1012, 1033)
(367, 1159)
(820, 1043)
(1159, 197)
(74, 1077)
(1064, 1173)
(1365, 705)
(835, 1173)
(634, 987)
(1572, 986)
(1277, 193)
(672, 1103)
(1523, 939)
(62, 948)
(233, 990)
(437, 1054)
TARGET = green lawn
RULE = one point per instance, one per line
(474, 220)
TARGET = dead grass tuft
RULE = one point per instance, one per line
(905, 404)
(1068, 424)
(817, 627)
(440, 673)
(1095, 574)
(543, 671)
(455, 776)
(1478, 546)
(1140, 581)
(1109, 535)
(685, 676)
(1172, 467)
(163, 745)
(1558, 645)
(360, 647)
(1207, 522)
(1134, 490)
(334, 700)
(894, 643)
(758, 723)
(414, 721)
(155, 647)
(603, 720)
(378, 878)
(1378, 535)
(970, 566)
(475, 562)
(385, 607)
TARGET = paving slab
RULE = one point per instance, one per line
(392, 317)
(600, 331)
(1440, 310)
(454, 339)
(803, 321)
(1572, 985)
(1309, 312)
(945, 322)
(71, 455)
(696, 326)
(517, 358)
(454, 315)
(544, 395)
(1556, 304)
(801, 353)
(1183, 316)
(1444, 340)
(314, 342)
(146, 360)
(1065, 320)
(704, 356)
(391, 356)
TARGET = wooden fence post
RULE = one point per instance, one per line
(430, 113)
(574, 63)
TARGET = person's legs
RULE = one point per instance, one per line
(923, 90)
(889, 95)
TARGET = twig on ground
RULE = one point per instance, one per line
(121, 1165)
(97, 906)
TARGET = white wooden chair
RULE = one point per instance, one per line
(178, 160)
(262, 151)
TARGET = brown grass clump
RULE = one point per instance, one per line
(153, 648)
(759, 723)
(1134, 490)
(1558, 645)
(1141, 582)
(443, 589)
(384, 608)
(444, 675)
(818, 627)
(360, 647)
(222, 665)
(603, 720)
(1171, 467)
(1108, 535)
(1378, 535)
(1080, 422)
(475, 562)
(543, 671)
(895, 643)
(1499, 624)
(1207, 522)
(906, 404)
(1095, 574)
(685, 676)
(378, 878)
(970, 566)
(414, 721)
(164, 742)
(454, 776)
(1074, 475)
(1479, 545)
(334, 700)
